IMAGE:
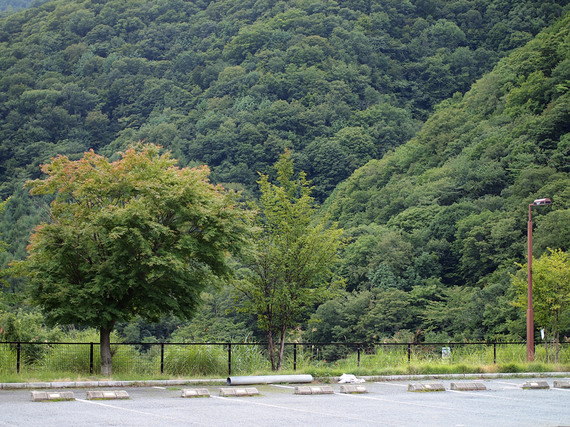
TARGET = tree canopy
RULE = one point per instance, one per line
(137, 236)
(425, 127)
(449, 208)
(292, 268)
(551, 293)
(231, 84)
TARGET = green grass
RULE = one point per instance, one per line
(59, 363)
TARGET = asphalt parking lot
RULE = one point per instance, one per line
(504, 403)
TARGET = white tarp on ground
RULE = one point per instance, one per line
(349, 378)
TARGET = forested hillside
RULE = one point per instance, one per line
(233, 83)
(9, 6)
(343, 84)
(438, 224)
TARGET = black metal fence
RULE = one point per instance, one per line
(219, 358)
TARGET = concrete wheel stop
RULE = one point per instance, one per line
(325, 389)
(46, 396)
(196, 392)
(467, 386)
(238, 392)
(535, 385)
(419, 387)
(561, 384)
(107, 395)
(352, 389)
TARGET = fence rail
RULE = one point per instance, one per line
(205, 358)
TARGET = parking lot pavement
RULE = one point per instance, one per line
(504, 402)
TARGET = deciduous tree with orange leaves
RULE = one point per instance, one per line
(136, 236)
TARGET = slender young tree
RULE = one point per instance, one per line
(292, 268)
(551, 293)
(137, 236)
(2, 275)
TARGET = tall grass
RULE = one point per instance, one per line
(7, 359)
(66, 358)
(428, 359)
(143, 361)
(128, 359)
(207, 360)
(249, 359)
(198, 361)
(75, 357)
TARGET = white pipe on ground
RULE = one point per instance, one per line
(270, 379)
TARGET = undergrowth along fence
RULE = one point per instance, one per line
(200, 359)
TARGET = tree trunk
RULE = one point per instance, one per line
(271, 347)
(546, 345)
(106, 355)
(557, 347)
(556, 338)
(281, 349)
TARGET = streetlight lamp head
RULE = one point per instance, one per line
(539, 202)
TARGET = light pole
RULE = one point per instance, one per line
(530, 310)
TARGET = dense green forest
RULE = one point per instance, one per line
(430, 176)
(438, 223)
(9, 6)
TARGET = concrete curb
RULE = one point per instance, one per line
(114, 384)
(471, 376)
(223, 381)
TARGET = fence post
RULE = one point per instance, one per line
(409, 353)
(495, 353)
(91, 358)
(358, 357)
(229, 359)
(162, 358)
(18, 356)
(295, 356)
